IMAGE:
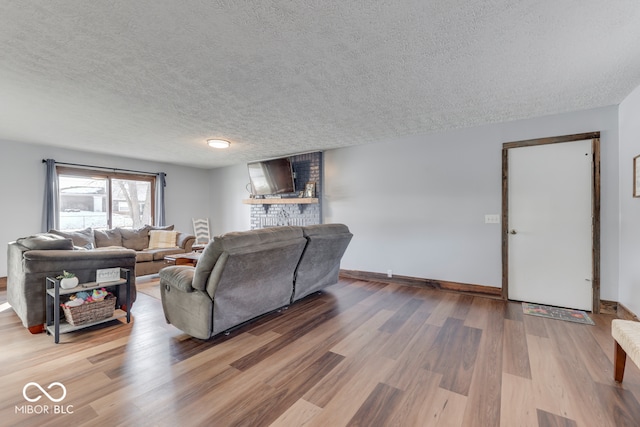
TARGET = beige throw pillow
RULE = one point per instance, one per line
(162, 239)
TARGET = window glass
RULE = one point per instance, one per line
(131, 203)
(101, 200)
(83, 202)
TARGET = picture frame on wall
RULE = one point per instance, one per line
(310, 190)
(636, 176)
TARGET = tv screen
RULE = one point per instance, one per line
(271, 177)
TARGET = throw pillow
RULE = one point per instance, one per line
(157, 227)
(135, 239)
(46, 241)
(81, 238)
(86, 247)
(107, 238)
(162, 239)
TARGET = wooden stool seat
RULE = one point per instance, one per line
(626, 333)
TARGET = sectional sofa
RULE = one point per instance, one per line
(242, 275)
(151, 243)
(31, 259)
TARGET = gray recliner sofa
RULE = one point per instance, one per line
(319, 265)
(243, 275)
(31, 260)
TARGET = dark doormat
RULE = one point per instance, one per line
(569, 315)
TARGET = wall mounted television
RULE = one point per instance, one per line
(270, 177)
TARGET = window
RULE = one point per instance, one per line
(96, 199)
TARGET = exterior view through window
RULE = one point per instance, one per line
(101, 200)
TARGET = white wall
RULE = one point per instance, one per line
(629, 286)
(416, 205)
(22, 188)
(228, 189)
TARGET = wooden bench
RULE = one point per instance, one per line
(626, 334)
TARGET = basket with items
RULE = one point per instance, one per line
(86, 307)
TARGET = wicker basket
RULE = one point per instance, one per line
(90, 312)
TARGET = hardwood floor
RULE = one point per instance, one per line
(360, 354)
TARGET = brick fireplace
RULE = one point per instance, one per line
(307, 168)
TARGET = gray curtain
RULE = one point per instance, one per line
(160, 184)
(51, 217)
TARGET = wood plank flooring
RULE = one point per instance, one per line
(359, 354)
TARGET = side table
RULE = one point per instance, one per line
(198, 247)
(55, 326)
(190, 258)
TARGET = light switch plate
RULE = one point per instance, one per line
(492, 219)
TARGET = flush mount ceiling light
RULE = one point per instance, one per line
(218, 143)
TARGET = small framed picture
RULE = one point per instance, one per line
(107, 275)
(310, 190)
(636, 176)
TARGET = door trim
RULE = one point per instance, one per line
(595, 207)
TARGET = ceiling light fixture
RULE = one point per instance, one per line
(218, 143)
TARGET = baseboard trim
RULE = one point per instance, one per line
(624, 313)
(617, 309)
(613, 308)
(479, 290)
(608, 307)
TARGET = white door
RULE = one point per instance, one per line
(550, 237)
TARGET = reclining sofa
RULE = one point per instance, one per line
(242, 275)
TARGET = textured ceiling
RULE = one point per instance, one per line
(153, 79)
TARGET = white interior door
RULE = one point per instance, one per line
(550, 237)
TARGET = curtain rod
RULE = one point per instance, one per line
(103, 167)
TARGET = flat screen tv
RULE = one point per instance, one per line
(271, 177)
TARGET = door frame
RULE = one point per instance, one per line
(595, 206)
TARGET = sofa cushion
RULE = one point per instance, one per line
(156, 254)
(325, 230)
(237, 241)
(108, 248)
(144, 256)
(159, 254)
(179, 277)
(74, 256)
(81, 238)
(158, 227)
(137, 239)
(160, 239)
(107, 238)
(319, 265)
(46, 241)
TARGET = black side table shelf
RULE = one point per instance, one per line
(55, 326)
